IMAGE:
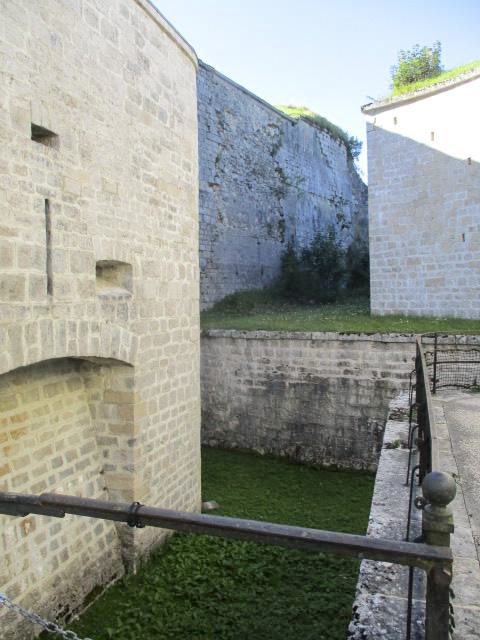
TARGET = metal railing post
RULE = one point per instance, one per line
(423, 433)
(434, 390)
(439, 490)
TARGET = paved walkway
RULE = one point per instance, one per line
(381, 600)
(457, 415)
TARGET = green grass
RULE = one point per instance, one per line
(319, 121)
(203, 588)
(261, 309)
(445, 75)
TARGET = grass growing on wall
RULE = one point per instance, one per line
(442, 77)
(262, 310)
(204, 588)
(351, 143)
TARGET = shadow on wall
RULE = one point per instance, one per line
(424, 225)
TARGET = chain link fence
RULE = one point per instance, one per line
(50, 627)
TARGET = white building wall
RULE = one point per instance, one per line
(424, 203)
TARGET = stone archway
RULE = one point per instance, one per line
(31, 342)
(66, 426)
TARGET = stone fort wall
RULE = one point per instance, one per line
(319, 398)
(265, 179)
(99, 329)
(424, 201)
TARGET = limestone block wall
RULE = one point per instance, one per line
(313, 397)
(99, 262)
(265, 179)
(424, 201)
(320, 398)
(49, 443)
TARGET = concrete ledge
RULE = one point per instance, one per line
(443, 339)
(380, 606)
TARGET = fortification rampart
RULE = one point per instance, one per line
(99, 385)
(265, 179)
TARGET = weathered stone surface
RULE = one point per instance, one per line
(117, 85)
(380, 606)
(265, 179)
(319, 398)
(316, 397)
(381, 599)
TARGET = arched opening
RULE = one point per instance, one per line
(65, 427)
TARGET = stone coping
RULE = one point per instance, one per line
(381, 595)
(473, 340)
(208, 67)
(168, 29)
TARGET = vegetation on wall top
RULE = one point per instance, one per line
(353, 145)
(418, 63)
(442, 77)
(420, 67)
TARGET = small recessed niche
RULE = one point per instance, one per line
(44, 136)
(113, 278)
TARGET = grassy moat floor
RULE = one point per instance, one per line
(262, 310)
(202, 588)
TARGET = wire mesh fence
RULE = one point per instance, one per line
(454, 369)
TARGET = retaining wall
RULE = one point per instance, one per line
(313, 397)
(265, 179)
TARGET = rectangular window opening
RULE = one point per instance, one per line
(44, 136)
(48, 237)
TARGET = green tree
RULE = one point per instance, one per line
(323, 267)
(317, 274)
(290, 276)
(416, 64)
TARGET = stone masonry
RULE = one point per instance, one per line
(424, 201)
(99, 330)
(320, 398)
(265, 179)
(314, 397)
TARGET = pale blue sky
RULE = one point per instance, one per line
(328, 56)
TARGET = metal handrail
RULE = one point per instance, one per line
(428, 432)
(432, 554)
(405, 553)
(437, 519)
(435, 559)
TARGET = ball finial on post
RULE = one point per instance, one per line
(439, 488)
